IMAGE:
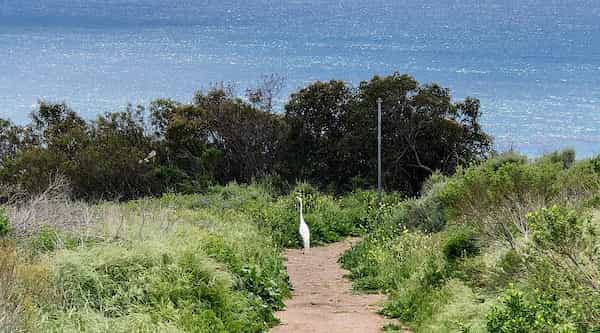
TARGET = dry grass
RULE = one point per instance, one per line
(10, 305)
(52, 208)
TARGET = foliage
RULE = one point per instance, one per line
(329, 218)
(219, 138)
(154, 264)
(517, 239)
(174, 286)
(5, 227)
(427, 130)
(518, 314)
(425, 214)
(496, 196)
(460, 244)
(181, 263)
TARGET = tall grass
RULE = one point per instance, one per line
(9, 302)
(208, 262)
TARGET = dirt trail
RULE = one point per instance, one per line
(323, 300)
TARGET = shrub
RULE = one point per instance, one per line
(410, 267)
(508, 268)
(425, 214)
(568, 239)
(5, 227)
(496, 199)
(461, 244)
(509, 157)
(50, 239)
(565, 157)
(536, 313)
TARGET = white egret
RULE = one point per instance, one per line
(304, 231)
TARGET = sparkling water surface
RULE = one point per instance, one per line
(535, 64)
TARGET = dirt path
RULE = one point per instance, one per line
(323, 300)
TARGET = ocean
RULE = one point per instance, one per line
(534, 64)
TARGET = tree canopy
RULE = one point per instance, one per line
(333, 132)
(325, 135)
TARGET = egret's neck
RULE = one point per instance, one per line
(301, 213)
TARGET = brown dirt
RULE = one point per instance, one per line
(323, 300)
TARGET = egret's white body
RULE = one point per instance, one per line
(303, 229)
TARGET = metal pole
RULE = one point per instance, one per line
(379, 101)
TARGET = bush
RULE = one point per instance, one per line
(50, 239)
(461, 244)
(519, 312)
(4, 223)
(565, 157)
(568, 239)
(496, 197)
(509, 221)
(425, 214)
(410, 267)
(509, 157)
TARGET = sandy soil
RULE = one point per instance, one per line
(323, 300)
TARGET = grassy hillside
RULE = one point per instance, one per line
(196, 263)
(510, 245)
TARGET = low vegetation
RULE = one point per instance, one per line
(510, 245)
(507, 245)
(178, 263)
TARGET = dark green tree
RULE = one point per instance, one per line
(247, 138)
(333, 138)
(315, 148)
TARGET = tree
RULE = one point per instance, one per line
(116, 164)
(248, 138)
(12, 138)
(188, 159)
(317, 126)
(265, 91)
(326, 136)
(332, 134)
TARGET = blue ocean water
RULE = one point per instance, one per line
(535, 64)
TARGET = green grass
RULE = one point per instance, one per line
(208, 262)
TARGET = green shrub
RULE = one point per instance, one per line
(558, 229)
(46, 240)
(509, 157)
(275, 185)
(565, 157)
(411, 268)
(460, 244)
(4, 223)
(499, 232)
(425, 214)
(519, 312)
(415, 304)
(510, 267)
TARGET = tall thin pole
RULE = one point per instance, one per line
(379, 101)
